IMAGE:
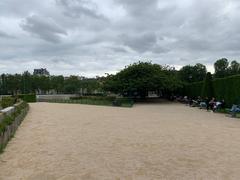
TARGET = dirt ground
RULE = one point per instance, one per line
(148, 141)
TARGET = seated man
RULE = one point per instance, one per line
(234, 110)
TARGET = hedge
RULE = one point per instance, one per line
(28, 97)
(224, 88)
(7, 101)
(194, 89)
(228, 89)
(107, 98)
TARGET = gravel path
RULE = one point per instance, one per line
(148, 141)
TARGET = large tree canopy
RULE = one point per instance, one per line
(139, 78)
(193, 73)
(221, 68)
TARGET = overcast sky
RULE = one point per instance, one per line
(93, 37)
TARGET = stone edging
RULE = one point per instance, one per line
(11, 129)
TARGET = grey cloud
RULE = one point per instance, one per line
(119, 49)
(80, 8)
(44, 28)
(5, 35)
(94, 37)
(140, 43)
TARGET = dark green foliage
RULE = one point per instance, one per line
(28, 97)
(224, 88)
(57, 83)
(139, 78)
(234, 68)
(125, 102)
(193, 90)
(71, 85)
(7, 101)
(207, 89)
(228, 89)
(221, 68)
(193, 73)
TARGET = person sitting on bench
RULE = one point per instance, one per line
(219, 105)
(234, 110)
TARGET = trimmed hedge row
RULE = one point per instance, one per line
(224, 88)
(93, 100)
(228, 89)
(28, 97)
(108, 98)
(194, 89)
(10, 123)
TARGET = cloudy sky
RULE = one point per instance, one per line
(93, 37)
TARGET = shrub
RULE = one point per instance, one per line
(7, 101)
(123, 102)
(28, 97)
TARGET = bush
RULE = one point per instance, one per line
(28, 97)
(7, 101)
(123, 102)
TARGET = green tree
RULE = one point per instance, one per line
(57, 83)
(41, 84)
(191, 74)
(234, 68)
(221, 68)
(71, 85)
(26, 83)
(137, 79)
(3, 84)
(13, 83)
(200, 72)
(207, 89)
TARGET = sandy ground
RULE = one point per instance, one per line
(154, 141)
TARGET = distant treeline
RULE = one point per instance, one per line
(27, 83)
(134, 80)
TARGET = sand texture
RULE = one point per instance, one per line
(148, 141)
